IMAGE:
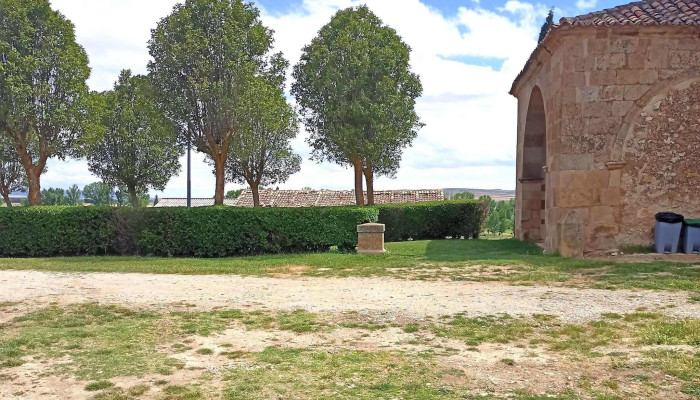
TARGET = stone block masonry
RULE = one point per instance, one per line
(370, 239)
(622, 120)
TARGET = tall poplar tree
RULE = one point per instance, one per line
(137, 147)
(262, 155)
(43, 94)
(204, 53)
(356, 93)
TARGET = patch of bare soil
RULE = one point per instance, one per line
(540, 371)
(288, 271)
(33, 380)
(411, 299)
(470, 272)
(482, 368)
(7, 313)
(38, 380)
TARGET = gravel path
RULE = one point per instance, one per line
(401, 297)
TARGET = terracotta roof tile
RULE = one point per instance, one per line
(196, 202)
(311, 198)
(641, 13)
(647, 12)
(329, 198)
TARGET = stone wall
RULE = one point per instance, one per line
(596, 84)
(663, 162)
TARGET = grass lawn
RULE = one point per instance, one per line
(472, 260)
(109, 353)
(178, 352)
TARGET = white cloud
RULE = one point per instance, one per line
(469, 138)
(586, 4)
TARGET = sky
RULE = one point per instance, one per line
(467, 53)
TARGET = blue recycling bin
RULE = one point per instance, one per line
(667, 232)
(691, 236)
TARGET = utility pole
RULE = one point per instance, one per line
(189, 168)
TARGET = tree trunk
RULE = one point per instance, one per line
(33, 171)
(34, 180)
(255, 189)
(219, 161)
(369, 177)
(6, 196)
(359, 192)
(133, 196)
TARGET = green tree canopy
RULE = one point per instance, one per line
(53, 197)
(73, 196)
(233, 194)
(547, 26)
(262, 154)
(43, 94)
(122, 197)
(501, 215)
(12, 175)
(465, 196)
(357, 95)
(204, 54)
(99, 194)
(137, 147)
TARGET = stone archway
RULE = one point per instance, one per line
(636, 113)
(532, 179)
(661, 151)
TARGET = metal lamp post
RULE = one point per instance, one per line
(189, 168)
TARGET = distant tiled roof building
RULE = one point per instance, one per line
(326, 198)
(311, 198)
(196, 202)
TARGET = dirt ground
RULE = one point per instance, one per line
(414, 299)
(393, 301)
(478, 367)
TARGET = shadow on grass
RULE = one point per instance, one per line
(541, 267)
(503, 252)
(466, 250)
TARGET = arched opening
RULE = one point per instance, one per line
(532, 179)
(660, 151)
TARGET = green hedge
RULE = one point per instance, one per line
(434, 220)
(223, 231)
(197, 232)
(47, 231)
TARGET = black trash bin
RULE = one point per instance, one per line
(667, 232)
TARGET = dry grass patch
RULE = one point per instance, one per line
(302, 355)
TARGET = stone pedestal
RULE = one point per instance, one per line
(370, 239)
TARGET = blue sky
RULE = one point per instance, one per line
(450, 7)
(466, 52)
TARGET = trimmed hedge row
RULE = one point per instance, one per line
(434, 220)
(55, 230)
(197, 232)
(223, 231)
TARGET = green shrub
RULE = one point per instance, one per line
(223, 231)
(55, 230)
(181, 232)
(434, 220)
